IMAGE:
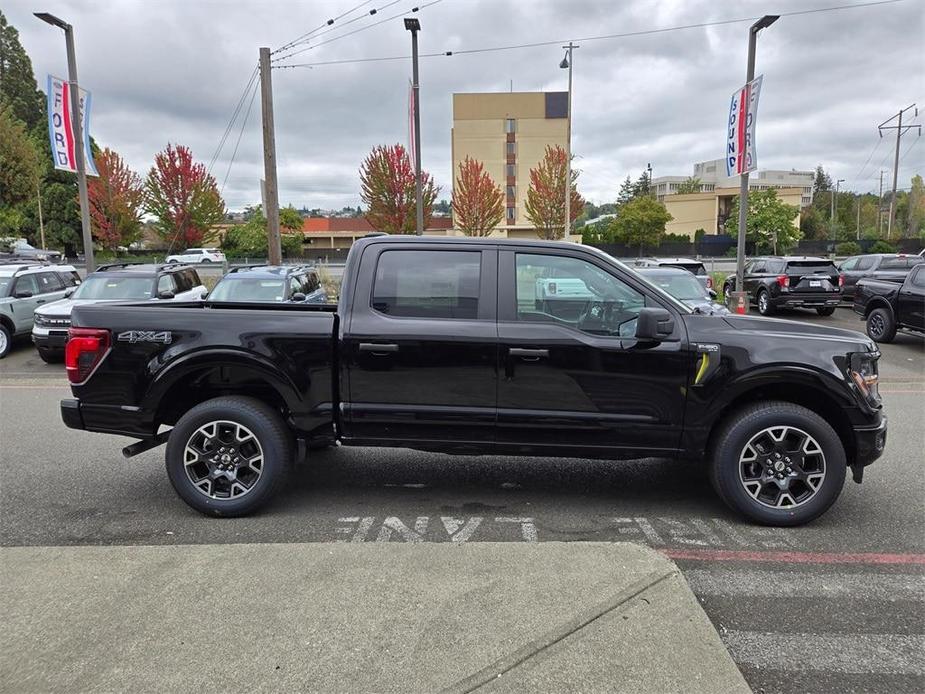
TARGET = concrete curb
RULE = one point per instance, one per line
(346, 617)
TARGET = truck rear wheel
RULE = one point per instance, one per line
(227, 456)
(778, 464)
(880, 325)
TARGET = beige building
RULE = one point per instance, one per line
(710, 209)
(508, 132)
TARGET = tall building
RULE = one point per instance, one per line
(712, 175)
(508, 132)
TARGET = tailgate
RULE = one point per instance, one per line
(812, 277)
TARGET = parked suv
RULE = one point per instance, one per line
(881, 266)
(114, 282)
(197, 255)
(273, 283)
(693, 266)
(23, 251)
(790, 282)
(23, 287)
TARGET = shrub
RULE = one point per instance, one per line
(881, 247)
(848, 248)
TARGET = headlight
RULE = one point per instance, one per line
(863, 373)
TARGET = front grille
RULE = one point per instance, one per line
(52, 322)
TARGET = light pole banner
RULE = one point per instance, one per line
(741, 156)
(60, 127)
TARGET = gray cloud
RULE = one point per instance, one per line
(172, 70)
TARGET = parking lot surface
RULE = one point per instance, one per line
(835, 606)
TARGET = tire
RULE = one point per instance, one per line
(171, 260)
(206, 260)
(51, 356)
(243, 486)
(764, 303)
(825, 310)
(880, 325)
(6, 341)
(743, 460)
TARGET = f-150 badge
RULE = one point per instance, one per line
(135, 336)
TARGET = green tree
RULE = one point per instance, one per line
(290, 219)
(881, 247)
(627, 192)
(251, 238)
(691, 185)
(848, 248)
(19, 172)
(915, 218)
(822, 182)
(770, 221)
(17, 81)
(641, 222)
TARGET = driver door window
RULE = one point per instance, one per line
(574, 293)
(166, 284)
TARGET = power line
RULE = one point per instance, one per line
(234, 153)
(364, 28)
(913, 144)
(604, 37)
(857, 176)
(328, 23)
(234, 116)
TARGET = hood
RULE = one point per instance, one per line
(710, 308)
(63, 307)
(779, 328)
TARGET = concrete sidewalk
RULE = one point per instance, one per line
(497, 617)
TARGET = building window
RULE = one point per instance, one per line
(512, 149)
(510, 126)
(512, 212)
(710, 169)
(511, 192)
(511, 174)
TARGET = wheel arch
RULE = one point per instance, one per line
(7, 323)
(878, 302)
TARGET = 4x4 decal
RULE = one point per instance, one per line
(135, 336)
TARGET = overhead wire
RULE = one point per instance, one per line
(328, 23)
(537, 44)
(234, 116)
(234, 152)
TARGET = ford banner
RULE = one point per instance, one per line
(741, 156)
(60, 127)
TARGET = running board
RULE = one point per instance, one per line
(146, 444)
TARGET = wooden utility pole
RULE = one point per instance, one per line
(269, 160)
(900, 131)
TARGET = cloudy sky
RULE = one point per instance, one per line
(172, 71)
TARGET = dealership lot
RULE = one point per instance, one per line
(833, 606)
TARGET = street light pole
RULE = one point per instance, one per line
(567, 63)
(77, 128)
(414, 26)
(835, 204)
(762, 23)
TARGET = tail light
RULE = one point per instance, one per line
(841, 280)
(783, 280)
(86, 348)
(709, 282)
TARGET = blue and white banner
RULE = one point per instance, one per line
(60, 127)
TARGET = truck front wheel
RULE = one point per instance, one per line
(778, 464)
(880, 325)
(227, 456)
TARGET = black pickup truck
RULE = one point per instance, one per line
(891, 305)
(481, 346)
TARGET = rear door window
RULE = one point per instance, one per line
(166, 284)
(48, 282)
(69, 279)
(865, 262)
(891, 263)
(26, 283)
(427, 284)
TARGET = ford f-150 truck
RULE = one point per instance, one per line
(888, 305)
(481, 346)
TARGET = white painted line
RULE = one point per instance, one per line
(796, 584)
(854, 654)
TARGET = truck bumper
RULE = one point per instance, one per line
(807, 300)
(869, 442)
(107, 419)
(70, 414)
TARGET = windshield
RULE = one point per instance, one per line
(99, 287)
(248, 289)
(696, 268)
(683, 287)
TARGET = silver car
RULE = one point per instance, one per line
(23, 288)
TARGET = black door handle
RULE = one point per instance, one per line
(528, 353)
(42, 301)
(377, 348)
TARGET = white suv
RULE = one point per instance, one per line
(198, 255)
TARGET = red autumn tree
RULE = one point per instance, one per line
(546, 196)
(116, 199)
(387, 181)
(478, 203)
(183, 197)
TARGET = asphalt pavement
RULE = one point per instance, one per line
(835, 606)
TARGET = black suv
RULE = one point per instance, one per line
(272, 283)
(790, 282)
(881, 266)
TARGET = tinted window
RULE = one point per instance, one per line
(759, 267)
(847, 265)
(27, 283)
(918, 276)
(193, 277)
(167, 284)
(774, 266)
(69, 279)
(311, 282)
(865, 262)
(696, 268)
(888, 263)
(428, 284)
(182, 280)
(570, 291)
(295, 284)
(232, 288)
(811, 267)
(48, 282)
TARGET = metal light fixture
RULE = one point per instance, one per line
(412, 24)
(564, 63)
(49, 18)
(765, 22)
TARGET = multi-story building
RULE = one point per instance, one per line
(508, 132)
(712, 175)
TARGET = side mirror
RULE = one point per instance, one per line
(68, 292)
(654, 324)
(299, 296)
(166, 294)
(712, 293)
(23, 293)
(204, 295)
